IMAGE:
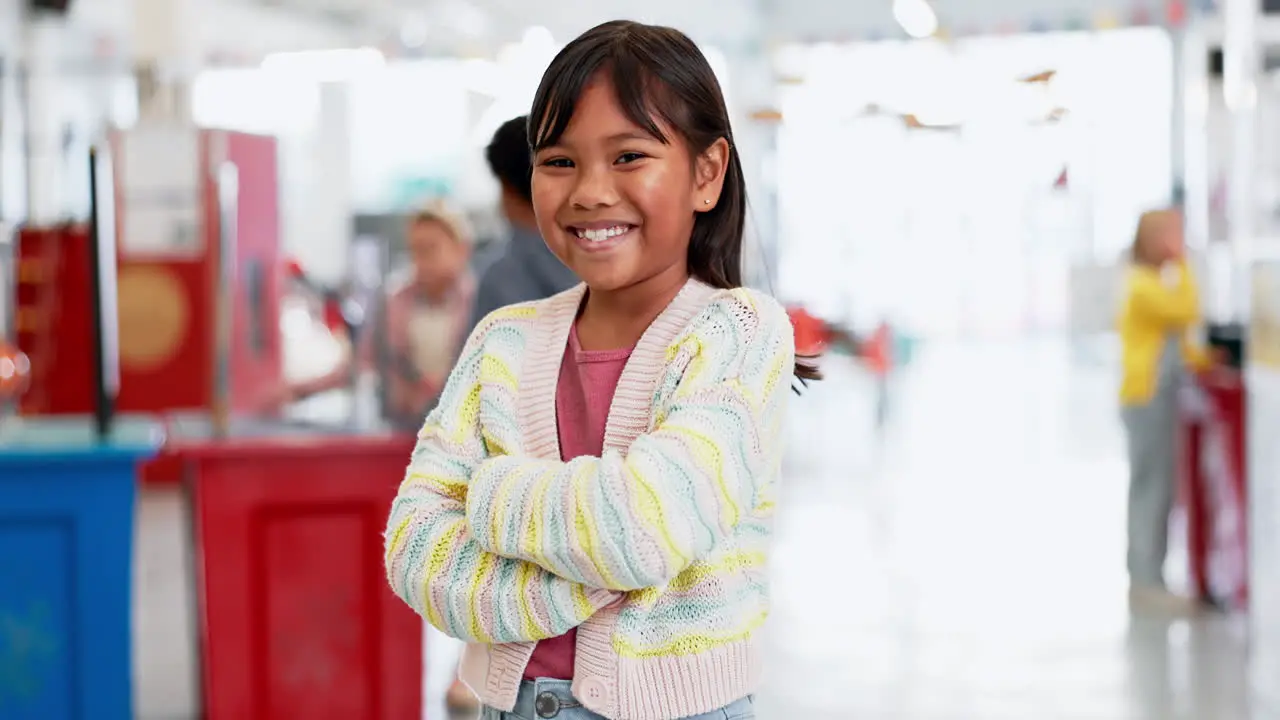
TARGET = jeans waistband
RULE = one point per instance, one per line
(547, 698)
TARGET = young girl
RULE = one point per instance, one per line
(590, 504)
(1160, 307)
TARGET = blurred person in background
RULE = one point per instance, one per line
(1161, 305)
(417, 327)
(527, 269)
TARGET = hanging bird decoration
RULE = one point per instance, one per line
(767, 115)
(1063, 182)
(912, 122)
(1053, 117)
(1040, 78)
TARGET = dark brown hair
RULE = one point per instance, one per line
(659, 74)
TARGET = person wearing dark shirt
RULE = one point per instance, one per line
(526, 269)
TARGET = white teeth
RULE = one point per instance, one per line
(602, 234)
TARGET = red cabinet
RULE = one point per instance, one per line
(298, 619)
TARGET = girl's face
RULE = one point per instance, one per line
(614, 203)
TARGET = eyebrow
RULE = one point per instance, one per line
(632, 135)
(616, 137)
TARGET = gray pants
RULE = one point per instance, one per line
(1152, 435)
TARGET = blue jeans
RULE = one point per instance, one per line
(545, 699)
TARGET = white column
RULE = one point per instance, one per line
(167, 52)
(45, 119)
(1179, 118)
(1192, 133)
(1239, 81)
(751, 88)
(316, 187)
(13, 184)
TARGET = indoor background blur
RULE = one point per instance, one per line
(965, 175)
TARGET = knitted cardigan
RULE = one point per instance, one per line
(656, 551)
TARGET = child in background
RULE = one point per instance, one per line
(590, 505)
(1160, 308)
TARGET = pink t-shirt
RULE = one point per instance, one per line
(583, 395)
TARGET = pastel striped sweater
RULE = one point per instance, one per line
(656, 551)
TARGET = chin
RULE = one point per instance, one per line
(603, 281)
(606, 275)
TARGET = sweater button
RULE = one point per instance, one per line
(593, 690)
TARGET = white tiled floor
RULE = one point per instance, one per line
(970, 564)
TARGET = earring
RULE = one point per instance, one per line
(706, 202)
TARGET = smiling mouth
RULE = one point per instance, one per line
(599, 235)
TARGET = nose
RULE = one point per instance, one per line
(594, 189)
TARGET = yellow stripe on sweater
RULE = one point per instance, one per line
(585, 525)
(501, 509)
(729, 564)
(397, 537)
(531, 544)
(691, 644)
(437, 561)
(449, 487)
(707, 454)
(497, 372)
(482, 579)
(649, 505)
(515, 312)
(582, 602)
(524, 580)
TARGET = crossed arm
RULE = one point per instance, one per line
(479, 544)
(433, 561)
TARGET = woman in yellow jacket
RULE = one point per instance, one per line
(1161, 306)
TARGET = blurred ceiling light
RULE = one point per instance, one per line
(414, 31)
(466, 19)
(916, 17)
(325, 65)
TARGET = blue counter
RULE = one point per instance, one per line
(66, 543)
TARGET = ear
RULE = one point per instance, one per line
(709, 170)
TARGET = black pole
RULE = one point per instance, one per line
(104, 403)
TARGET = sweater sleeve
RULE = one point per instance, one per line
(432, 560)
(636, 520)
(1176, 304)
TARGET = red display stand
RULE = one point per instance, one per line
(52, 318)
(1212, 478)
(169, 297)
(298, 619)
